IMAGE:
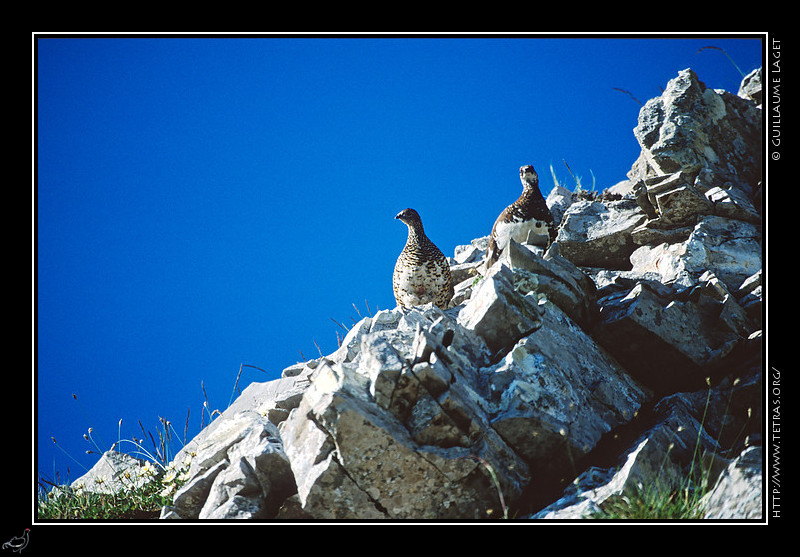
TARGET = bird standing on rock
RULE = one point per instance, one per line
(422, 273)
(527, 220)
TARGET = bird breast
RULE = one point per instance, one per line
(524, 232)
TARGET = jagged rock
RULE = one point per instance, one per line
(670, 338)
(731, 249)
(671, 200)
(752, 87)
(750, 297)
(623, 189)
(596, 234)
(732, 203)
(558, 279)
(373, 442)
(418, 414)
(553, 405)
(738, 492)
(474, 251)
(680, 446)
(690, 127)
(239, 471)
(675, 203)
(503, 308)
(558, 201)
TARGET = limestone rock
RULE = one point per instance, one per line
(239, 471)
(558, 200)
(556, 278)
(681, 446)
(667, 338)
(731, 249)
(115, 472)
(553, 405)
(752, 87)
(738, 492)
(690, 127)
(412, 453)
(596, 234)
(502, 309)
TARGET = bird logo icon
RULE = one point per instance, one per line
(18, 543)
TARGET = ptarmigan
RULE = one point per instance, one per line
(422, 273)
(527, 220)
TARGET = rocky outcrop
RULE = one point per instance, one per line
(627, 354)
(691, 128)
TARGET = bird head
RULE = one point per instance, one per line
(528, 176)
(410, 217)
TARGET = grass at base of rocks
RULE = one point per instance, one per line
(139, 503)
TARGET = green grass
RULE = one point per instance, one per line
(134, 502)
(662, 500)
(653, 505)
(657, 502)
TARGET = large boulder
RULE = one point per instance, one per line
(685, 447)
(729, 248)
(670, 338)
(598, 234)
(553, 405)
(503, 308)
(738, 494)
(239, 471)
(400, 433)
(691, 127)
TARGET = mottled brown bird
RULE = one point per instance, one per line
(422, 273)
(527, 220)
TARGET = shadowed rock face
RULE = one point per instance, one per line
(612, 358)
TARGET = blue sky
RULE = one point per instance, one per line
(203, 203)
